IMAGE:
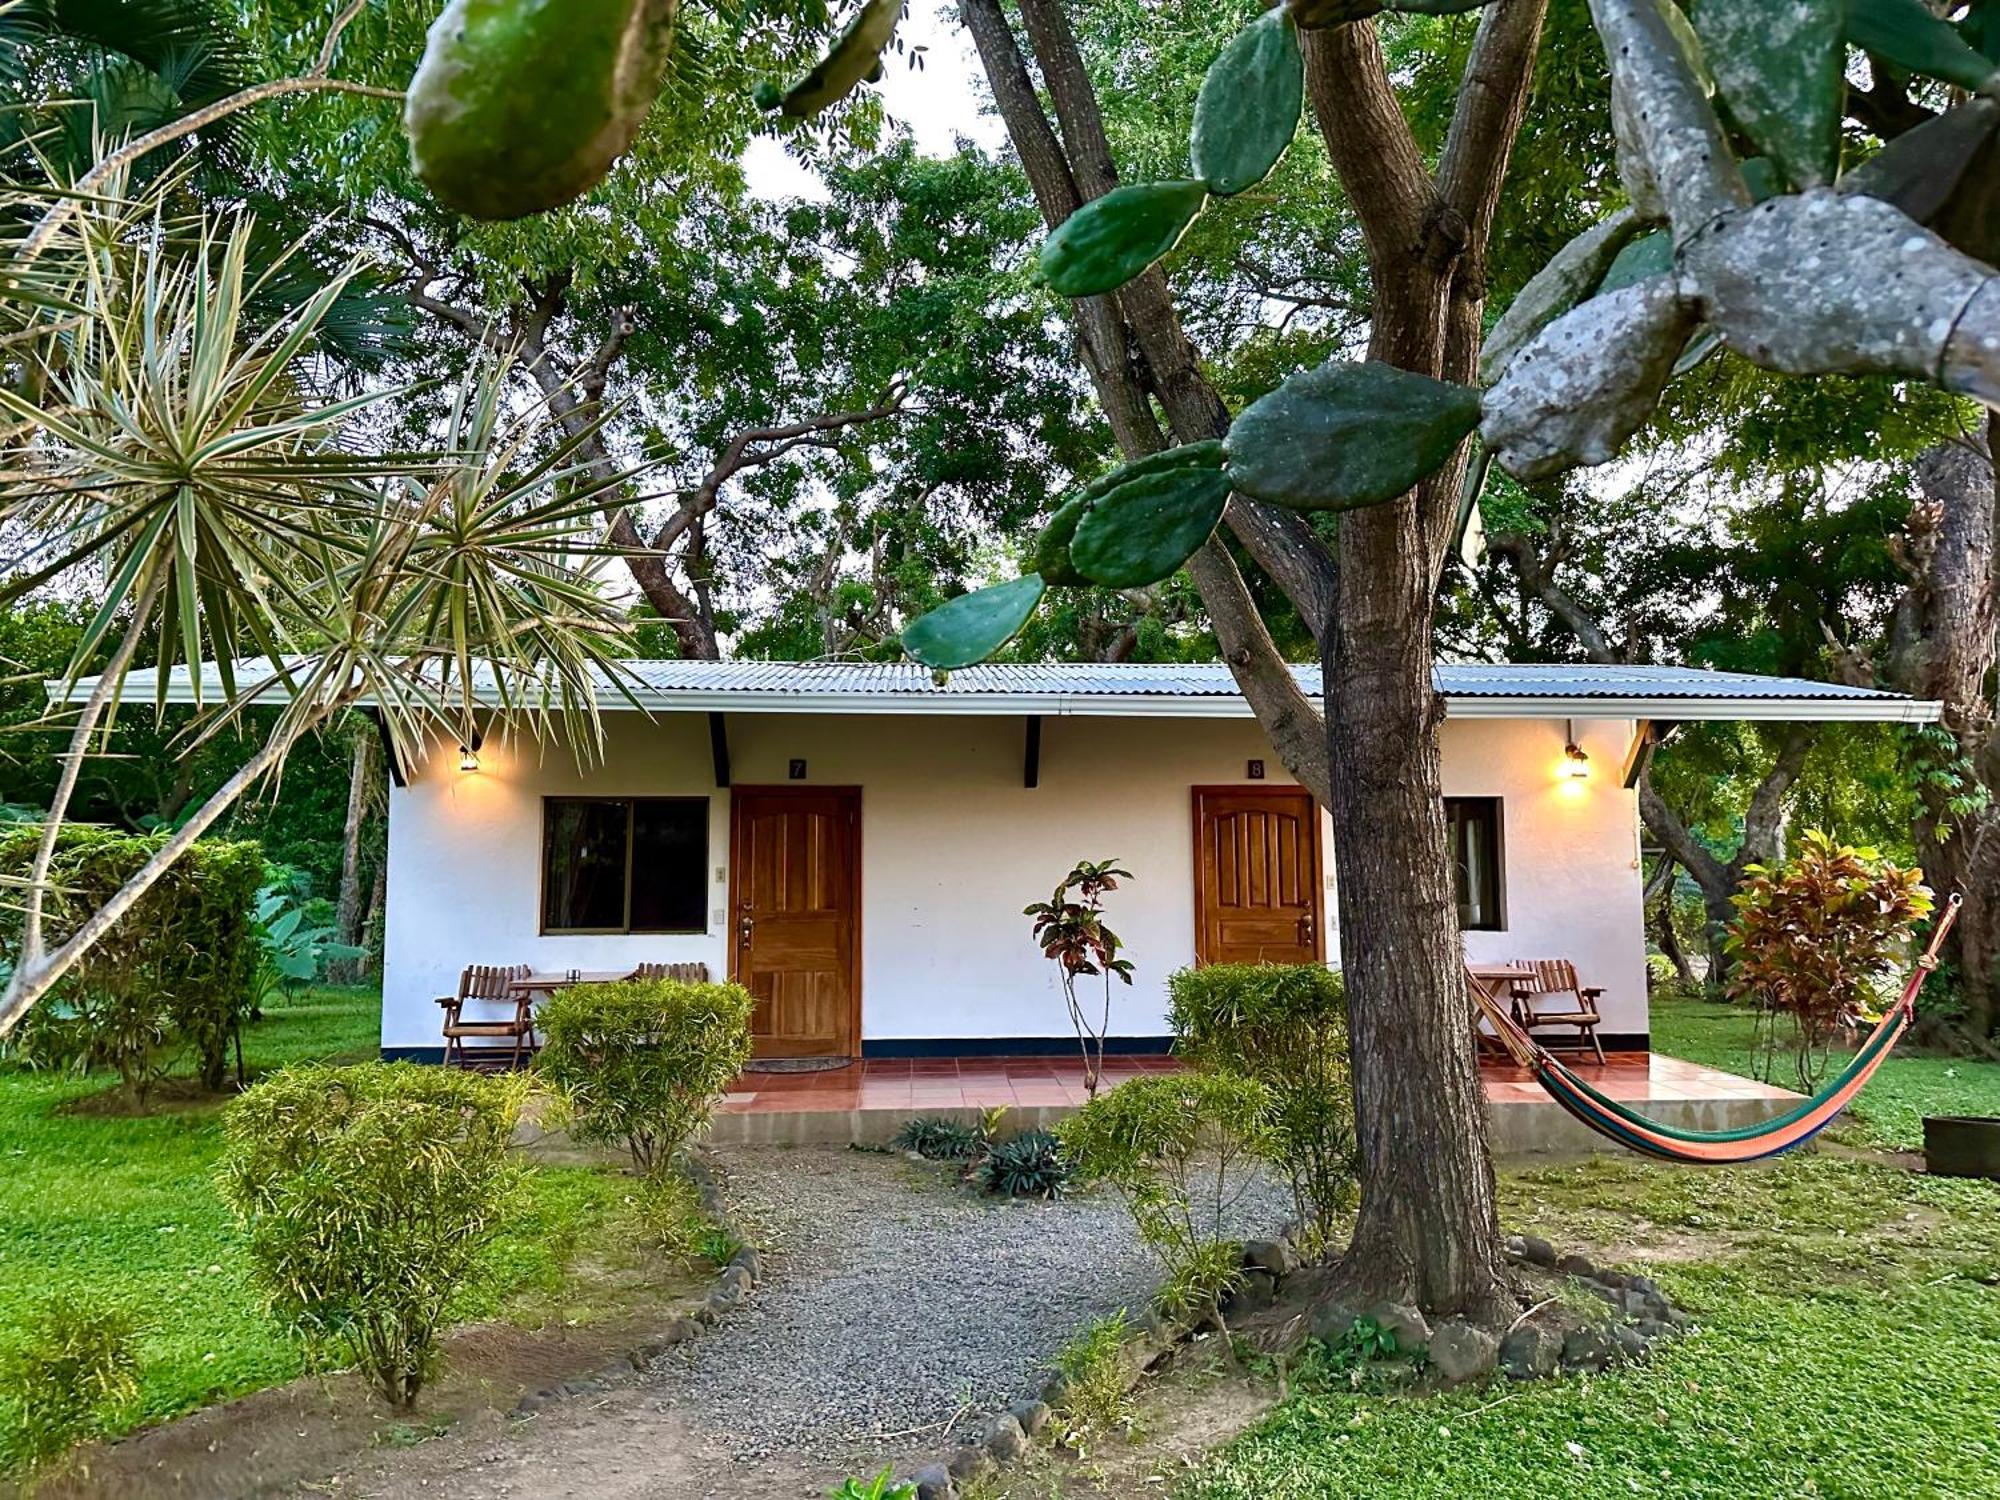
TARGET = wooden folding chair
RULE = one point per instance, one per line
(1555, 980)
(683, 973)
(488, 985)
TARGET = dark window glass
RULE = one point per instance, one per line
(624, 864)
(1475, 861)
(669, 865)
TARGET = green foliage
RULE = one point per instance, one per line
(520, 108)
(670, 1206)
(1817, 941)
(1284, 1025)
(1096, 1395)
(75, 1368)
(1182, 1149)
(937, 1139)
(973, 626)
(854, 57)
(176, 972)
(884, 1486)
(1248, 108)
(1347, 434)
(368, 1194)
(293, 947)
(1030, 1165)
(643, 1062)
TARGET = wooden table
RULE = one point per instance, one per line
(1491, 978)
(549, 983)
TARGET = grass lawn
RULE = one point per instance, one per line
(123, 1207)
(1849, 1343)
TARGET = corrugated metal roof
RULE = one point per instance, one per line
(1198, 690)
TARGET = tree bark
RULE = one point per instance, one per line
(360, 798)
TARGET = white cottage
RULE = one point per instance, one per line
(855, 843)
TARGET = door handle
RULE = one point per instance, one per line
(1306, 928)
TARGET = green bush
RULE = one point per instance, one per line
(1094, 1392)
(1183, 1148)
(937, 1139)
(1031, 1165)
(176, 972)
(671, 1207)
(643, 1062)
(77, 1364)
(1286, 1026)
(369, 1194)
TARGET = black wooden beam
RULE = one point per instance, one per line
(718, 747)
(1031, 761)
(389, 760)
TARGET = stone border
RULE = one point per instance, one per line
(1457, 1351)
(731, 1287)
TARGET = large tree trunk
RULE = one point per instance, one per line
(360, 798)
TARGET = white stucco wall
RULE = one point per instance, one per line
(953, 846)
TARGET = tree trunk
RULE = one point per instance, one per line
(360, 797)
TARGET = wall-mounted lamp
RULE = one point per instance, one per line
(1576, 764)
(468, 753)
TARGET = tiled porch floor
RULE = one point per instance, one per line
(928, 1085)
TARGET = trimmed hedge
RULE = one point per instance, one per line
(176, 972)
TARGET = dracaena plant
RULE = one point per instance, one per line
(175, 447)
(1071, 932)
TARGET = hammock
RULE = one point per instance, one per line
(1716, 1147)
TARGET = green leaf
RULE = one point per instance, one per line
(973, 626)
(1779, 67)
(1649, 255)
(1346, 435)
(854, 58)
(1906, 34)
(1142, 530)
(1052, 548)
(1111, 239)
(1248, 108)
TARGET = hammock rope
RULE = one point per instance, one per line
(1783, 1132)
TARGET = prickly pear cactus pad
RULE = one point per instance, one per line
(1111, 239)
(854, 58)
(973, 626)
(520, 106)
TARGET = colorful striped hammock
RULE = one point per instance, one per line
(1770, 1137)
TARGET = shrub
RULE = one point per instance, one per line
(643, 1062)
(884, 1486)
(369, 1194)
(1070, 930)
(77, 1364)
(1094, 1393)
(176, 971)
(671, 1207)
(1183, 1149)
(938, 1139)
(1816, 942)
(1031, 1165)
(1286, 1026)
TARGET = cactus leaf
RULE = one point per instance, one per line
(520, 106)
(1111, 239)
(854, 58)
(1052, 559)
(1248, 108)
(1781, 69)
(1142, 530)
(1910, 35)
(1345, 435)
(1572, 274)
(973, 626)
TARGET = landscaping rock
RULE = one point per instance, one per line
(1587, 1349)
(1644, 1285)
(1578, 1266)
(1331, 1320)
(749, 1262)
(1274, 1256)
(1461, 1351)
(1257, 1291)
(1032, 1415)
(1515, 1246)
(1053, 1391)
(1004, 1439)
(1676, 1318)
(1413, 1334)
(934, 1482)
(1636, 1303)
(970, 1463)
(1630, 1342)
(1537, 1251)
(1531, 1352)
(736, 1277)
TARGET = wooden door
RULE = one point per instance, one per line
(795, 917)
(1257, 876)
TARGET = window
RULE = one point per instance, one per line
(1475, 861)
(624, 864)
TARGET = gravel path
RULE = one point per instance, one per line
(892, 1307)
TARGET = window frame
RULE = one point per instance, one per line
(1493, 810)
(632, 805)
